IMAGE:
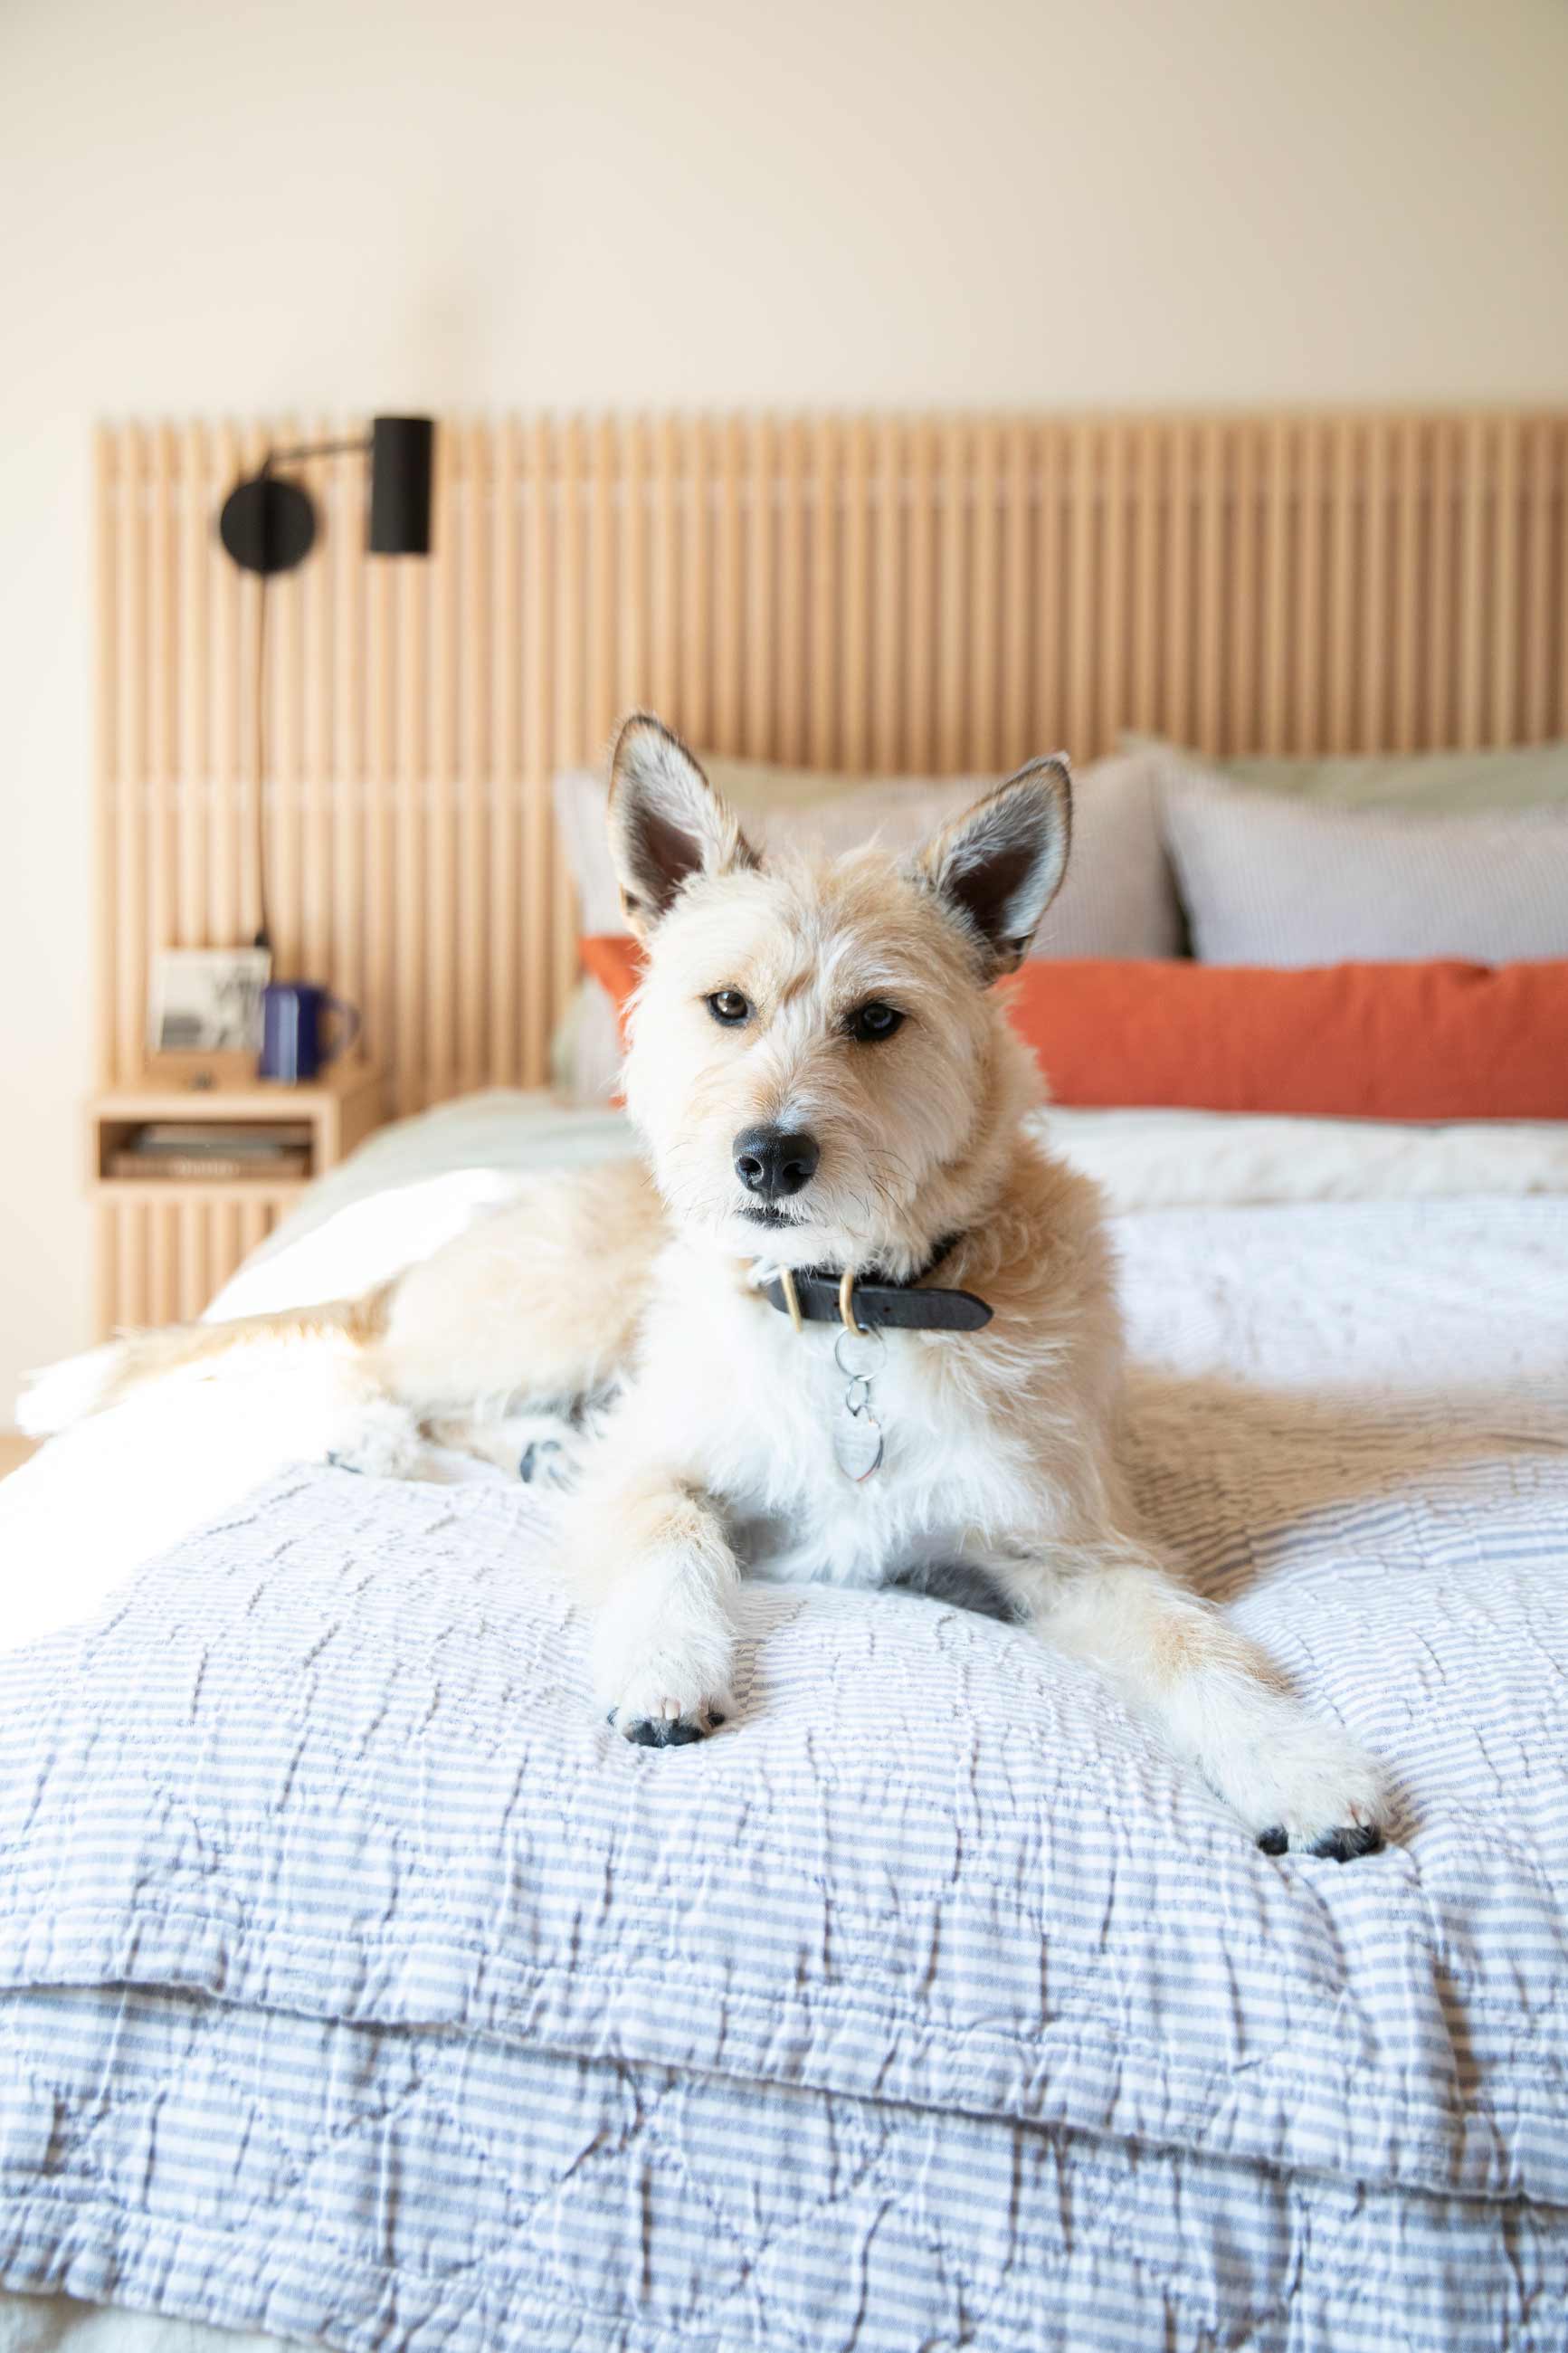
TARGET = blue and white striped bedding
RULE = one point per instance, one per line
(357, 1984)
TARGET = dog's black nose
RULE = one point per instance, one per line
(772, 1163)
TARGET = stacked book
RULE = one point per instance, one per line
(216, 1152)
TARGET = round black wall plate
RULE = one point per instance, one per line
(267, 525)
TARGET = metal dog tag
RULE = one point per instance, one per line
(858, 1442)
(857, 1432)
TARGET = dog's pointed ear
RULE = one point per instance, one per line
(667, 823)
(999, 865)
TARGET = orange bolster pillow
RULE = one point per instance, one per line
(1419, 1042)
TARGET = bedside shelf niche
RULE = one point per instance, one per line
(165, 1245)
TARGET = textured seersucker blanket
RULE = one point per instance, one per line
(359, 1983)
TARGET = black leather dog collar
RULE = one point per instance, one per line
(822, 1297)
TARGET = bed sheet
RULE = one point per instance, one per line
(930, 1996)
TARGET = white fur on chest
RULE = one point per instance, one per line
(727, 1385)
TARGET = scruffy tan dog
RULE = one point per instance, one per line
(853, 1322)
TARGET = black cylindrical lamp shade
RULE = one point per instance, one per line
(400, 457)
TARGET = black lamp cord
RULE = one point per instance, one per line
(258, 753)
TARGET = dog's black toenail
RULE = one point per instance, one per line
(714, 1719)
(1350, 1844)
(1273, 1841)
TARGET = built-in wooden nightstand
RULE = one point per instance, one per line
(166, 1244)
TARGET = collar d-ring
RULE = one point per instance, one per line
(846, 1302)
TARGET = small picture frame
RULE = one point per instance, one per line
(206, 1000)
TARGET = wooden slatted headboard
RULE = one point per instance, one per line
(879, 593)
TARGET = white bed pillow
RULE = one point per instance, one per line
(1272, 882)
(1117, 900)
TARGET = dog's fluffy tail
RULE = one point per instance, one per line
(67, 1393)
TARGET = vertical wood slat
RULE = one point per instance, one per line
(478, 658)
(539, 743)
(224, 912)
(1176, 716)
(826, 588)
(695, 646)
(378, 809)
(1344, 576)
(632, 602)
(347, 769)
(1242, 715)
(506, 813)
(113, 1275)
(113, 949)
(887, 598)
(317, 656)
(729, 590)
(1078, 626)
(951, 703)
(162, 677)
(982, 735)
(854, 731)
(1560, 633)
(791, 726)
(131, 711)
(195, 560)
(1017, 526)
(572, 747)
(416, 777)
(1441, 721)
(760, 579)
(1472, 563)
(162, 1301)
(1144, 674)
(666, 589)
(1213, 525)
(1502, 713)
(1308, 599)
(1276, 659)
(282, 746)
(919, 704)
(888, 593)
(1374, 666)
(1109, 618)
(1409, 542)
(435, 1019)
(1540, 473)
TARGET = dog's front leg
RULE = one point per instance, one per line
(1296, 1782)
(659, 1571)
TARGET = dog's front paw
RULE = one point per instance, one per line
(668, 1693)
(1309, 1789)
(668, 1726)
(379, 1439)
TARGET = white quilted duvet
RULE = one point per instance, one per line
(357, 1984)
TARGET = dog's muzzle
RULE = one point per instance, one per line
(772, 1163)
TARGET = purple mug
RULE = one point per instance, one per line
(291, 1047)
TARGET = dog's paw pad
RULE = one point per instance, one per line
(1357, 1832)
(673, 1727)
(1304, 1788)
(1348, 1842)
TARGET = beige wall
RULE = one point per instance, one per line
(354, 203)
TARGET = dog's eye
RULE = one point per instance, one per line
(871, 1023)
(728, 1005)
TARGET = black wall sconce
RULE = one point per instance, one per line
(268, 524)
